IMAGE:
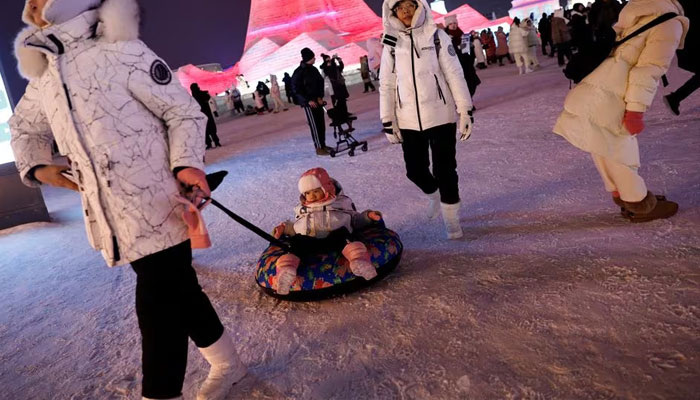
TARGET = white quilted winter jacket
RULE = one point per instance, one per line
(628, 80)
(115, 110)
(419, 89)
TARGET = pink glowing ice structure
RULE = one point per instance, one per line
(277, 31)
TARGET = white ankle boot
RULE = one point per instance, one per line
(226, 369)
(450, 214)
(434, 207)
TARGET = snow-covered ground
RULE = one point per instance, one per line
(551, 294)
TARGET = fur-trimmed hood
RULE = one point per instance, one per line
(116, 20)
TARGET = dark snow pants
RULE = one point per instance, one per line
(688, 88)
(171, 307)
(441, 141)
(210, 133)
(317, 123)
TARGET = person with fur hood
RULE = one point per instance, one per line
(423, 94)
(604, 113)
(532, 42)
(133, 136)
(325, 220)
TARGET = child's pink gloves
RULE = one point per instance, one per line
(634, 122)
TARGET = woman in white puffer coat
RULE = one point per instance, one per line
(603, 114)
(422, 89)
(134, 137)
(517, 42)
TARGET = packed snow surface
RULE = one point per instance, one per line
(550, 295)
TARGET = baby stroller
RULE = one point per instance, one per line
(344, 140)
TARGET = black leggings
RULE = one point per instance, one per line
(171, 307)
(441, 140)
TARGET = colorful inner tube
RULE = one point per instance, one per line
(326, 275)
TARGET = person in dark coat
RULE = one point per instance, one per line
(288, 88)
(202, 98)
(688, 58)
(307, 86)
(545, 28)
(581, 34)
(365, 73)
(602, 17)
(332, 68)
(465, 55)
(264, 90)
(561, 36)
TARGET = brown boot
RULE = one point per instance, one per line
(650, 208)
(620, 203)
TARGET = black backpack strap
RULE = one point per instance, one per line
(657, 21)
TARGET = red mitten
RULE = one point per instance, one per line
(634, 122)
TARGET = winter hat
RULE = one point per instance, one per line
(450, 19)
(306, 54)
(317, 178)
(325, 56)
(59, 11)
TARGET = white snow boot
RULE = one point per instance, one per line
(226, 369)
(450, 214)
(434, 207)
(360, 261)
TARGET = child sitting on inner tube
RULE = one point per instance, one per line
(324, 222)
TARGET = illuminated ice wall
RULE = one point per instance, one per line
(523, 8)
(278, 30)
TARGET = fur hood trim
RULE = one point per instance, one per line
(118, 21)
(31, 63)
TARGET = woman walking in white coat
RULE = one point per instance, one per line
(134, 138)
(604, 114)
(422, 86)
(517, 42)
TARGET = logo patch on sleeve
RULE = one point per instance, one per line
(451, 50)
(160, 73)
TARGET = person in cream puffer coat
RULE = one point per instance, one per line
(603, 114)
(134, 138)
(422, 92)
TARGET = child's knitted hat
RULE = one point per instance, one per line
(316, 178)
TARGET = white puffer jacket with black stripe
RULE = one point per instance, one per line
(419, 89)
(115, 110)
